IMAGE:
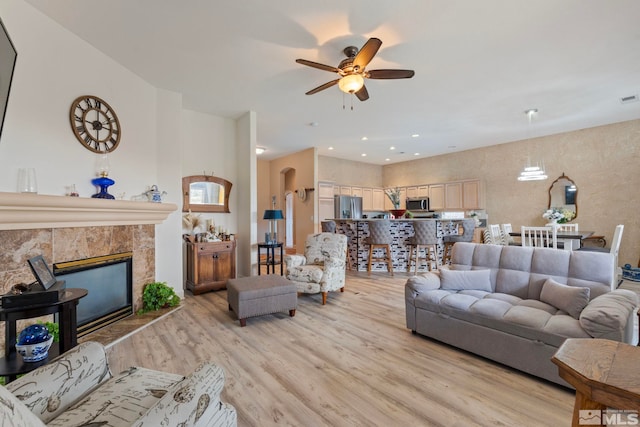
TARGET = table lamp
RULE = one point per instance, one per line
(273, 215)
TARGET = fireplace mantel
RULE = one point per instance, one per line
(20, 211)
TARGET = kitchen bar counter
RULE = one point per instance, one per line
(401, 230)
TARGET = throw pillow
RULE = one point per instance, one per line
(571, 299)
(461, 280)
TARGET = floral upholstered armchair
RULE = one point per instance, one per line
(322, 267)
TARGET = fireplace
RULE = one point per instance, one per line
(64, 228)
(108, 279)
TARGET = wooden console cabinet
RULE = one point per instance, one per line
(209, 265)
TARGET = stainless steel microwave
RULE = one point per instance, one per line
(418, 204)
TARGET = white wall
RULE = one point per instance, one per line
(161, 142)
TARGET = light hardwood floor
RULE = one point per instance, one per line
(351, 362)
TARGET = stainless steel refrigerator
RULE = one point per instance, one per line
(347, 207)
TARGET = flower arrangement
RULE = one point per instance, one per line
(394, 196)
(559, 215)
(191, 222)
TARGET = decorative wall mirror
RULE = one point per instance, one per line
(563, 194)
(205, 193)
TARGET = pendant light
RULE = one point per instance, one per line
(532, 172)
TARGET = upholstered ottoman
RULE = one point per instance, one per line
(258, 295)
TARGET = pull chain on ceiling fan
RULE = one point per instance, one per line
(352, 70)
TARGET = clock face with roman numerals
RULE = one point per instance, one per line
(95, 124)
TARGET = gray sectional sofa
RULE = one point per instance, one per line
(516, 305)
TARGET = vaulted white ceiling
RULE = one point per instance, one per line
(479, 65)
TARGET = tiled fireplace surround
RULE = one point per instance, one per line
(65, 229)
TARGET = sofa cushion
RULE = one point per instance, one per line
(570, 299)
(121, 400)
(606, 316)
(200, 390)
(14, 413)
(456, 280)
(52, 389)
(306, 273)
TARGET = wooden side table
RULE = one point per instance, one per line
(604, 374)
(271, 260)
(12, 365)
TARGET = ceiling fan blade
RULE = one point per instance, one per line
(390, 74)
(318, 65)
(366, 54)
(323, 87)
(362, 94)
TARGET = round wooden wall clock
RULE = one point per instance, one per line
(95, 124)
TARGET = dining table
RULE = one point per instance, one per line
(570, 239)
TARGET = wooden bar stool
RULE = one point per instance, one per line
(468, 225)
(380, 238)
(424, 235)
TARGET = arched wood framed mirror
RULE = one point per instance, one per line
(563, 194)
(205, 193)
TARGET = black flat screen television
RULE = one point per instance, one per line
(8, 57)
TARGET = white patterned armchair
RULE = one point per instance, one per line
(322, 267)
(77, 389)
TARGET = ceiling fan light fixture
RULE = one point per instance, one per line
(351, 83)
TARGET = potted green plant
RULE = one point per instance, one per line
(158, 295)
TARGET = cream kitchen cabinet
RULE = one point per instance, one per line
(417, 192)
(325, 209)
(453, 195)
(377, 199)
(472, 195)
(367, 199)
(436, 197)
(356, 191)
(412, 192)
(325, 190)
(345, 190)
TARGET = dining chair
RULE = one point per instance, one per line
(567, 227)
(496, 234)
(614, 249)
(546, 237)
(508, 239)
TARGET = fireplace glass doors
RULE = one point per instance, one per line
(109, 282)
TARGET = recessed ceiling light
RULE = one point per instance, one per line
(392, 148)
(415, 135)
(364, 138)
(314, 124)
(453, 146)
(387, 160)
(364, 154)
(416, 154)
(260, 150)
(330, 148)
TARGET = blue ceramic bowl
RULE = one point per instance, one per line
(33, 334)
(35, 352)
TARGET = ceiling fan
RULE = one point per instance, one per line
(352, 70)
